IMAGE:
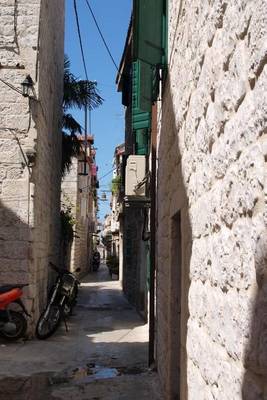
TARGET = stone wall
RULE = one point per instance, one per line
(212, 152)
(31, 42)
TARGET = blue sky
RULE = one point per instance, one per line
(108, 120)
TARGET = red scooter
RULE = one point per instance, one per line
(13, 324)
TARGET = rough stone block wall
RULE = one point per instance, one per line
(31, 42)
(212, 154)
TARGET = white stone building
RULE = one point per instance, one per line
(80, 194)
(211, 202)
(31, 43)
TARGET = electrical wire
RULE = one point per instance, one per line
(85, 71)
(109, 172)
(102, 36)
(83, 57)
(80, 37)
(11, 86)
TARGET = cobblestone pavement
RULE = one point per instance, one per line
(103, 356)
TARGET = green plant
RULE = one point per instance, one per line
(67, 223)
(67, 219)
(116, 185)
(71, 147)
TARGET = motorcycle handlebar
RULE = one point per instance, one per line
(54, 267)
(60, 271)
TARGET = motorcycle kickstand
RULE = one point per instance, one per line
(65, 323)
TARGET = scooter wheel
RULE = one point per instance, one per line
(21, 326)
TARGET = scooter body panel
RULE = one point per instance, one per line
(9, 297)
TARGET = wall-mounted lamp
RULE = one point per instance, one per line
(31, 156)
(27, 86)
(103, 196)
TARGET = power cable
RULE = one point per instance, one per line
(86, 75)
(83, 58)
(102, 36)
(109, 172)
(11, 86)
(80, 37)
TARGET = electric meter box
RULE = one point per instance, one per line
(135, 176)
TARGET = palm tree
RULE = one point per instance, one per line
(76, 94)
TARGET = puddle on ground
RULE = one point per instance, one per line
(37, 387)
(93, 372)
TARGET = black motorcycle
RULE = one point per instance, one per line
(95, 261)
(61, 300)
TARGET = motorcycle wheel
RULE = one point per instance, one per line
(21, 326)
(75, 293)
(71, 302)
(47, 325)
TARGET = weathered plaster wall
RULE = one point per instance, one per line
(31, 42)
(69, 198)
(134, 266)
(82, 211)
(212, 154)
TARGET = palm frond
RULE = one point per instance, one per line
(77, 94)
(80, 93)
(69, 123)
(71, 147)
(66, 65)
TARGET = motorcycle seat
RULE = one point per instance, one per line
(7, 288)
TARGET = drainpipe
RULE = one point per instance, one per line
(152, 296)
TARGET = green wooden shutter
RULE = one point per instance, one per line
(140, 116)
(147, 31)
(135, 86)
(149, 42)
(141, 141)
(165, 32)
(141, 119)
(142, 86)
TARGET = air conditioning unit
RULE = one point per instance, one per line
(135, 184)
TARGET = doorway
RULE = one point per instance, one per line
(175, 290)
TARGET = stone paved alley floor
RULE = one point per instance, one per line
(103, 356)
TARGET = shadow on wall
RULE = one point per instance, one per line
(15, 247)
(255, 358)
(174, 254)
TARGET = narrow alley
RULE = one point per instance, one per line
(103, 356)
(133, 157)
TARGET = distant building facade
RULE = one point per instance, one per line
(79, 194)
(117, 190)
(134, 214)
